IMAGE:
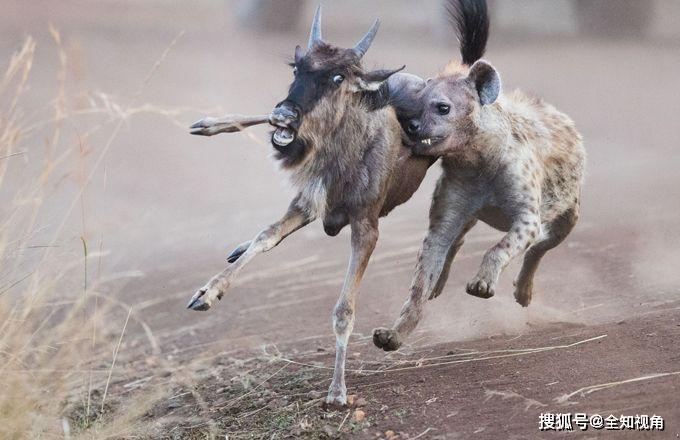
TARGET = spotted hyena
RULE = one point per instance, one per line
(509, 160)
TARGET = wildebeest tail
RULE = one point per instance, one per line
(470, 20)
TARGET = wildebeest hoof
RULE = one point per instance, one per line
(203, 127)
(197, 302)
(386, 338)
(480, 288)
(236, 253)
(333, 405)
(203, 299)
(336, 400)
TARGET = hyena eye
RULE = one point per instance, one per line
(443, 109)
(337, 79)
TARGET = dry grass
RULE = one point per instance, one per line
(75, 361)
(60, 336)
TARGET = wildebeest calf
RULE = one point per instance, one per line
(339, 137)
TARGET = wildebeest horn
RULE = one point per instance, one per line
(315, 33)
(362, 46)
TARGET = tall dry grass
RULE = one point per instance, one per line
(60, 336)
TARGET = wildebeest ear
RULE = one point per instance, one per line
(486, 81)
(371, 81)
(298, 54)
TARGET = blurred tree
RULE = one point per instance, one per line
(269, 15)
(615, 18)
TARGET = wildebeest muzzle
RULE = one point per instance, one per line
(286, 118)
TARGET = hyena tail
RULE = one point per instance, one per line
(470, 20)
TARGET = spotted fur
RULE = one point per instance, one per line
(511, 161)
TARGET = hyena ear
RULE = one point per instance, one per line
(486, 81)
(371, 81)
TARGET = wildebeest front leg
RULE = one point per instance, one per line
(364, 237)
(295, 218)
(210, 126)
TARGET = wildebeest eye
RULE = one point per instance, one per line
(443, 109)
(337, 79)
(295, 70)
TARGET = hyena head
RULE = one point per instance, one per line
(328, 82)
(447, 107)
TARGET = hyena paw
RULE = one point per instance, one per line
(205, 297)
(386, 338)
(480, 287)
(523, 295)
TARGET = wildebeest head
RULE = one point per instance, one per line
(328, 80)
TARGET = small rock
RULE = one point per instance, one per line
(360, 402)
(390, 435)
(358, 415)
(174, 404)
(329, 431)
(350, 399)
(314, 394)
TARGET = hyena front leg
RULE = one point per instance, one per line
(441, 282)
(523, 232)
(295, 218)
(451, 216)
(364, 238)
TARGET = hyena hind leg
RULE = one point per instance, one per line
(557, 231)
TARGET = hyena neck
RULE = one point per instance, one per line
(491, 130)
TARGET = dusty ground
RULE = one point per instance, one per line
(170, 207)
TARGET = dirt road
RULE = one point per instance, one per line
(171, 206)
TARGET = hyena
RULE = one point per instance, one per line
(338, 135)
(511, 161)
